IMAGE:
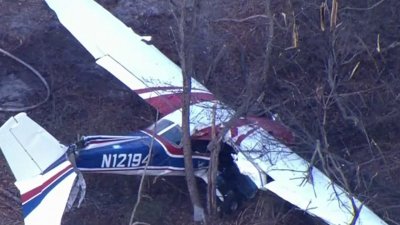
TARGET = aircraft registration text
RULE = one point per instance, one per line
(122, 160)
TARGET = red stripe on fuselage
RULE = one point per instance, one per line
(32, 193)
(166, 104)
(168, 147)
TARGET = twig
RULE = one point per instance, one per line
(9, 195)
(140, 223)
(356, 211)
(241, 20)
(392, 221)
(364, 9)
(309, 177)
(391, 46)
(34, 71)
(214, 64)
(139, 196)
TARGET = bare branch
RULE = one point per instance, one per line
(268, 46)
(213, 65)
(37, 74)
(186, 60)
(139, 196)
(215, 148)
(242, 20)
(9, 195)
(391, 46)
(364, 9)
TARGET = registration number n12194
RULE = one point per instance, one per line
(122, 160)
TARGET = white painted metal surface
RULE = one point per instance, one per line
(52, 199)
(28, 148)
(116, 47)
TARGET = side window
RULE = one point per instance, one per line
(173, 134)
(160, 126)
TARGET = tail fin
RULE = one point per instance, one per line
(44, 174)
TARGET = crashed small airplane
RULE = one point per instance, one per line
(48, 174)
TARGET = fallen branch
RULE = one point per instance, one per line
(35, 72)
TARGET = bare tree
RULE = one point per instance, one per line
(187, 22)
(253, 90)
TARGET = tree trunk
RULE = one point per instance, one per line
(215, 148)
(186, 59)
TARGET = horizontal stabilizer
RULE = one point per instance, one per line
(44, 175)
(27, 147)
(44, 197)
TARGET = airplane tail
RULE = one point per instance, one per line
(44, 175)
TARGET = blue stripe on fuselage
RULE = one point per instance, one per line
(31, 205)
(95, 158)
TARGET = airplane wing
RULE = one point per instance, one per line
(157, 79)
(43, 174)
(126, 55)
(294, 180)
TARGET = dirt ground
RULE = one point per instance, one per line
(85, 100)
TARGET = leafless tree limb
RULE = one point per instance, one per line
(364, 9)
(10, 195)
(391, 46)
(268, 46)
(214, 64)
(140, 191)
(213, 168)
(37, 74)
(186, 60)
(243, 19)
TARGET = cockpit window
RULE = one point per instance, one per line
(160, 126)
(173, 134)
(168, 130)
